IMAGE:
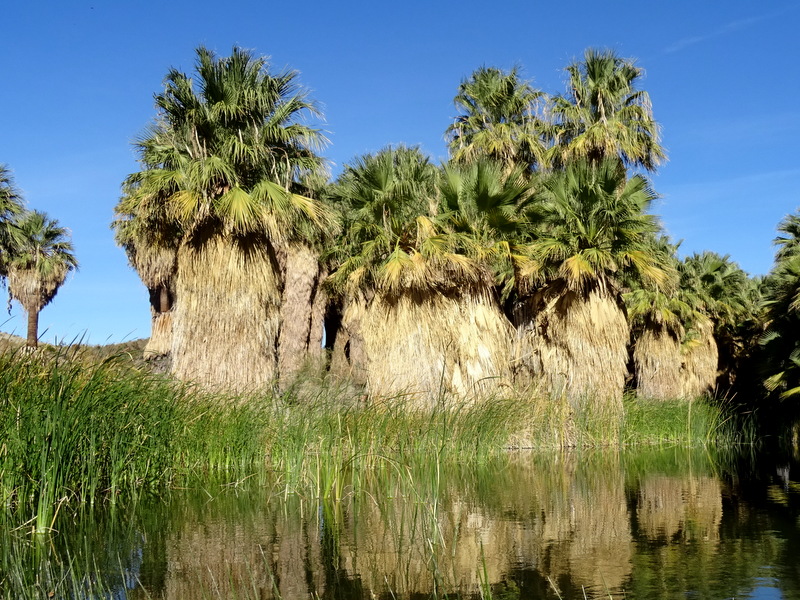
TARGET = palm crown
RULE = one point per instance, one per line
(594, 226)
(603, 114)
(10, 207)
(498, 119)
(228, 150)
(387, 200)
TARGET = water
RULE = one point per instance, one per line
(668, 523)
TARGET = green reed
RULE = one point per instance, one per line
(76, 432)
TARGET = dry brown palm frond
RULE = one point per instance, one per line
(32, 290)
(154, 264)
(426, 344)
(700, 361)
(226, 325)
(658, 362)
(574, 343)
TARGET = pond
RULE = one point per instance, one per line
(654, 523)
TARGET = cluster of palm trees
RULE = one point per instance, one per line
(36, 254)
(780, 357)
(529, 258)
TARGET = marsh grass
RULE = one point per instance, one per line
(77, 432)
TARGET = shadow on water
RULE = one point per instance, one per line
(652, 523)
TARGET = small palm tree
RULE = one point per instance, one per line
(604, 115)
(43, 256)
(725, 333)
(788, 240)
(499, 120)
(780, 343)
(659, 318)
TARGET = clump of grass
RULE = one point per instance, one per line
(694, 422)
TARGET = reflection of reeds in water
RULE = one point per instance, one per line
(421, 532)
(437, 529)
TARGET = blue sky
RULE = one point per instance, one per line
(78, 80)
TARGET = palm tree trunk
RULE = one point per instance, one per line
(160, 342)
(301, 285)
(164, 301)
(430, 344)
(575, 345)
(33, 328)
(226, 323)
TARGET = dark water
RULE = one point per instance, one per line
(669, 523)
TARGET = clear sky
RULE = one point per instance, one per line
(78, 79)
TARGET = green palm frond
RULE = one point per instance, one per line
(604, 115)
(594, 227)
(498, 120)
(227, 147)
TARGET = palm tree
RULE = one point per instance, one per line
(570, 317)
(788, 240)
(780, 343)
(604, 115)
(419, 314)
(658, 316)
(43, 256)
(222, 167)
(498, 120)
(728, 302)
(10, 207)
(781, 347)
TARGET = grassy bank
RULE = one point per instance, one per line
(77, 432)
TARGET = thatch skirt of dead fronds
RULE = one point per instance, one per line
(154, 263)
(160, 342)
(657, 361)
(426, 344)
(225, 326)
(32, 290)
(302, 311)
(573, 344)
(700, 361)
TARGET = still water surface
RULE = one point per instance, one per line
(660, 523)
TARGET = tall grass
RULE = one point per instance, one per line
(76, 432)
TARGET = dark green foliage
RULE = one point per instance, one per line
(781, 342)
